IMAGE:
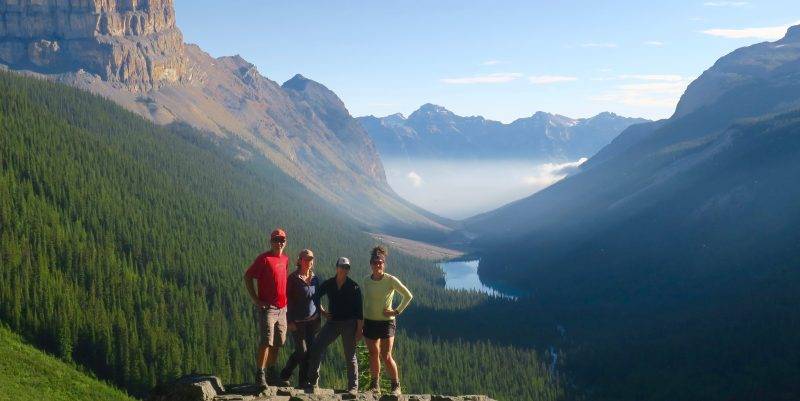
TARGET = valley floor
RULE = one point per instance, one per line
(418, 249)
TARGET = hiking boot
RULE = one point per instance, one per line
(261, 378)
(311, 388)
(374, 387)
(396, 389)
(276, 379)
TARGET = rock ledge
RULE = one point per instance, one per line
(210, 388)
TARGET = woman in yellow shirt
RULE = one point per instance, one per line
(379, 318)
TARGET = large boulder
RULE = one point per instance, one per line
(189, 388)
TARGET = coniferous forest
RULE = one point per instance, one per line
(123, 245)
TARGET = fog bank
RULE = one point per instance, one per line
(459, 189)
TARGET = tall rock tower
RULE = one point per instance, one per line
(131, 43)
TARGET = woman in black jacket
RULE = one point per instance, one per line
(303, 315)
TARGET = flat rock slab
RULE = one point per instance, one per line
(209, 388)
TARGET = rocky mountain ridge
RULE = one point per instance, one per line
(432, 131)
(132, 52)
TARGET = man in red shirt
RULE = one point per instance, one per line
(269, 270)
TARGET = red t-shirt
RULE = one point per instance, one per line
(270, 271)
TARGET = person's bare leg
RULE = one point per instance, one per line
(386, 346)
(272, 356)
(374, 359)
(261, 356)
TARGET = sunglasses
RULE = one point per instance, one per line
(308, 258)
(279, 240)
(346, 267)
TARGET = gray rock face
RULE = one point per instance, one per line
(132, 43)
(209, 388)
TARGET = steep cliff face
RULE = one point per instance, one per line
(132, 43)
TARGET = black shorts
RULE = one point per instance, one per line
(377, 329)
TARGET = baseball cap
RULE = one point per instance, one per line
(278, 233)
(306, 253)
(342, 262)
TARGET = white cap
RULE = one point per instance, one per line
(342, 261)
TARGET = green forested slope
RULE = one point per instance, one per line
(123, 245)
(27, 374)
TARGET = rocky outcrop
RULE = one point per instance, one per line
(131, 43)
(209, 388)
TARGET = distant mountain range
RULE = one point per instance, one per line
(435, 132)
(675, 250)
(133, 53)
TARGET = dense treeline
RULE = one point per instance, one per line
(123, 245)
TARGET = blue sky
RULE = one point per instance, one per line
(500, 59)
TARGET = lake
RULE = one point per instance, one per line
(464, 275)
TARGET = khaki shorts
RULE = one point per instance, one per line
(272, 326)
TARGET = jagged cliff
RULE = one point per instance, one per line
(132, 43)
(132, 52)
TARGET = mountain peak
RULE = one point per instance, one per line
(433, 108)
(395, 117)
(792, 34)
(606, 114)
(299, 83)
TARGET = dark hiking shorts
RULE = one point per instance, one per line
(378, 329)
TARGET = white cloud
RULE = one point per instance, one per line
(493, 62)
(641, 77)
(655, 43)
(550, 173)
(497, 78)
(662, 91)
(599, 45)
(765, 33)
(550, 79)
(725, 3)
(654, 77)
(415, 179)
